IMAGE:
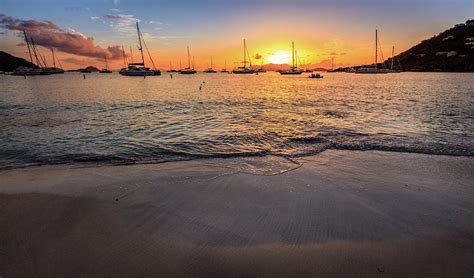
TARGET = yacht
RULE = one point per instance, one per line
(375, 69)
(210, 70)
(139, 69)
(245, 69)
(37, 69)
(22, 71)
(294, 67)
(188, 70)
(106, 70)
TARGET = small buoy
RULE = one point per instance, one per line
(84, 76)
(171, 76)
(24, 76)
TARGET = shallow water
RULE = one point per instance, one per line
(108, 118)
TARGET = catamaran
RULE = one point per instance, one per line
(106, 70)
(210, 70)
(375, 69)
(245, 69)
(294, 67)
(188, 70)
(139, 69)
(38, 69)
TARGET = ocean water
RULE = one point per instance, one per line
(112, 119)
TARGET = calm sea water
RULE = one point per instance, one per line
(108, 118)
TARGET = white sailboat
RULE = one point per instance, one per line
(294, 67)
(139, 69)
(189, 69)
(38, 70)
(245, 69)
(375, 69)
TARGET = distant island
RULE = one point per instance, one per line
(89, 68)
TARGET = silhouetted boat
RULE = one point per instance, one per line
(85, 70)
(139, 69)
(245, 69)
(315, 75)
(210, 70)
(188, 70)
(225, 67)
(171, 69)
(294, 67)
(374, 70)
(54, 69)
(106, 70)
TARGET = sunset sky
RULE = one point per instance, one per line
(82, 32)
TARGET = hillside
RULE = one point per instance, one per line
(10, 63)
(451, 50)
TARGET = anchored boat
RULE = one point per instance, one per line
(245, 69)
(139, 69)
(294, 67)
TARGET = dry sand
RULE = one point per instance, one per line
(342, 214)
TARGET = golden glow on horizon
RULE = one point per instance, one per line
(279, 57)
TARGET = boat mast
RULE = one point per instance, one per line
(140, 41)
(393, 51)
(106, 65)
(293, 54)
(54, 60)
(123, 56)
(28, 45)
(376, 46)
(245, 52)
(131, 55)
(34, 52)
(189, 59)
(211, 62)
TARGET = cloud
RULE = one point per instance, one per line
(155, 22)
(124, 23)
(21, 44)
(94, 17)
(258, 56)
(338, 54)
(48, 34)
(116, 2)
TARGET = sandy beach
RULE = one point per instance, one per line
(336, 214)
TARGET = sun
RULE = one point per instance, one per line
(279, 57)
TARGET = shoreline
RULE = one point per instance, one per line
(92, 164)
(342, 213)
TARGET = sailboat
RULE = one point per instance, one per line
(294, 67)
(54, 69)
(171, 69)
(106, 70)
(392, 69)
(225, 67)
(37, 70)
(261, 69)
(375, 69)
(245, 69)
(188, 70)
(210, 70)
(139, 69)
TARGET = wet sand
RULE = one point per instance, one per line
(339, 214)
